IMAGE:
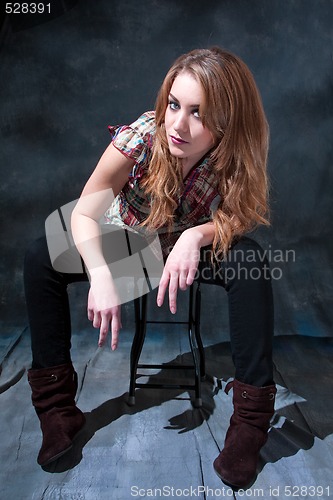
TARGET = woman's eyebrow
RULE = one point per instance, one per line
(176, 100)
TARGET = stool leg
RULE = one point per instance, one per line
(197, 318)
(140, 309)
(193, 345)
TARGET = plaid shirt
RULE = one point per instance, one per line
(197, 203)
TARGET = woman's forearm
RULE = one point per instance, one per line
(202, 235)
(87, 238)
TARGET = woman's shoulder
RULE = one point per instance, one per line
(135, 140)
(145, 123)
(142, 126)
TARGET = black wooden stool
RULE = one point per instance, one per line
(193, 329)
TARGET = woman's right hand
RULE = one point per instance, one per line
(104, 306)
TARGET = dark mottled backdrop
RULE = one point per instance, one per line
(66, 77)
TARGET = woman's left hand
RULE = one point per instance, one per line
(180, 268)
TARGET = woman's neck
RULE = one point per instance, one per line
(188, 164)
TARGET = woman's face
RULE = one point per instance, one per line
(188, 139)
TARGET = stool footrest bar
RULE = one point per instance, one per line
(152, 322)
(165, 386)
(167, 367)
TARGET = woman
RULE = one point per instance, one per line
(194, 171)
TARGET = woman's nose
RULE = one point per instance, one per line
(181, 123)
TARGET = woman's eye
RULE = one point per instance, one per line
(173, 105)
(196, 113)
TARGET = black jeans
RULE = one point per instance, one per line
(244, 275)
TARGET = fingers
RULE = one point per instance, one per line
(174, 280)
(96, 319)
(115, 328)
(162, 289)
(171, 280)
(191, 276)
(90, 311)
(109, 322)
(173, 289)
(103, 329)
(104, 311)
(183, 280)
(106, 321)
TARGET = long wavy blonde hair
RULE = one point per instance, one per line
(233, 112)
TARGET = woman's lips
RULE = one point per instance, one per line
(177, 140)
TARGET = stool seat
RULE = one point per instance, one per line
(196, 346)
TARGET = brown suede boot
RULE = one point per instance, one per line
(253, 408)
(53, 393)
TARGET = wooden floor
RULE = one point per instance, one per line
(163, 447)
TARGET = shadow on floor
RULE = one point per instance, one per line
(285, 438)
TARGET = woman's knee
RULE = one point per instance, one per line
(36, 255)
(36, 252)
(247, 262)
(247, 250)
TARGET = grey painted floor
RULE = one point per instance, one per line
(163, 442)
